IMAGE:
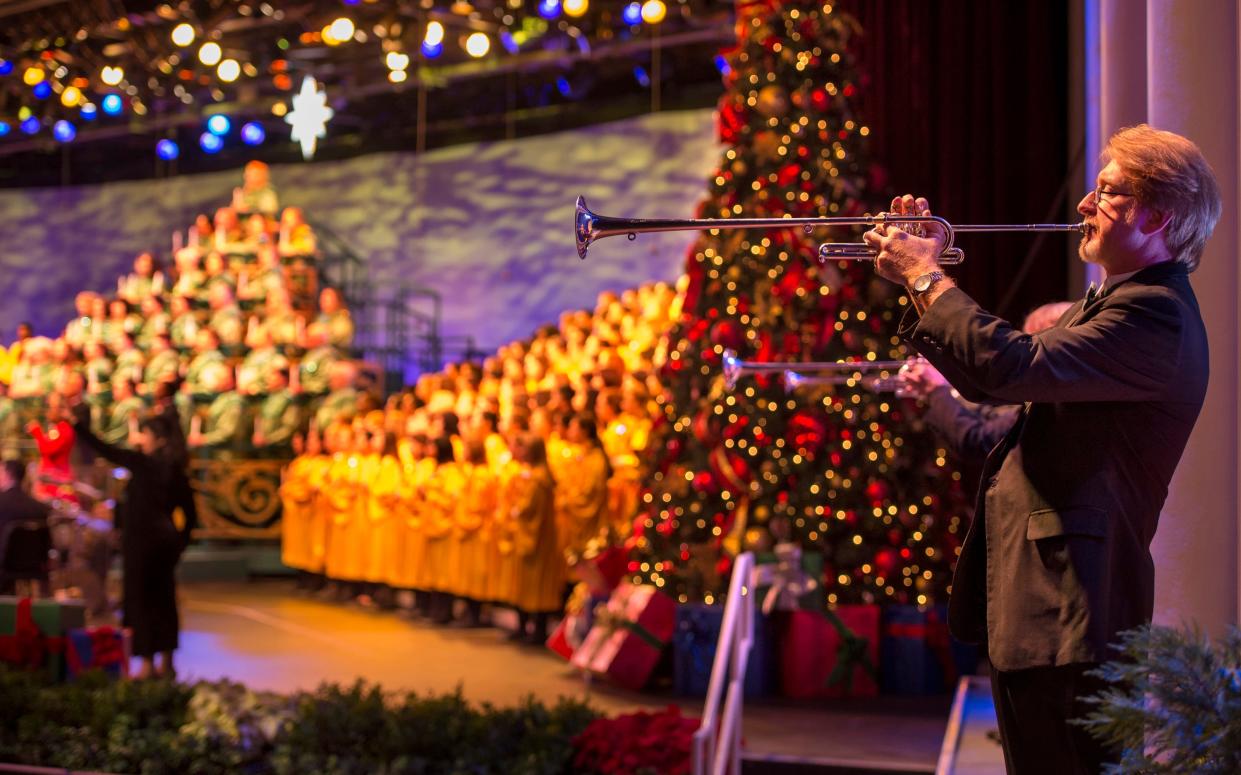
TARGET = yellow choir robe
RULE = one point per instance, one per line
(321, 512)
(441, 496)
(473, 533)
(625, 440)
(497, 451)
(297, 514)
(582, 500)
(382, 476)
(503, 575)
(410, 572)
(344, 549)
(539, 564)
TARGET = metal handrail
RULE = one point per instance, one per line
(717, 743)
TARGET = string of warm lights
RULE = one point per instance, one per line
(201, 62)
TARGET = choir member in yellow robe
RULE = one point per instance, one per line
(625, 439)
(503, 575)
(383, 482)
(342, 487)
(538, 563)
(440, 497)
(320, 463)
(417, 459)
(473, 535)
(297, 512)
(582, 487)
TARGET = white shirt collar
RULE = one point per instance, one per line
(1112, 280)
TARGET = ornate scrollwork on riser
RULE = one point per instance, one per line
(237, 498)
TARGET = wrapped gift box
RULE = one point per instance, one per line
(579, 615)
(32, 632)
(601, 568)
(628, 635)
(918, 656)
(98, 648)
(830, 653)
(694, 643)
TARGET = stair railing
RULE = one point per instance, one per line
(717, 743)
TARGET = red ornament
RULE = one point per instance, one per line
(806, 430)
(788, 174)
(818, 98)
(886, 562)
(728, 334)
(705, 483)
(704, 429)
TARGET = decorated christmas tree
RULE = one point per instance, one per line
(842, 470)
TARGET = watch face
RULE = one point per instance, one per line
(922, 283)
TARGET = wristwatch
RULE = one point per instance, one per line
(923, 283)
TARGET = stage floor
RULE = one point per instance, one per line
(269, 636)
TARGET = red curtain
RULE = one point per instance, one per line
(968, 105)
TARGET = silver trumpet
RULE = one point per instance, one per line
(807, 373)
(589, 228)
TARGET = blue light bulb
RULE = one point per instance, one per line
(6, 67)
(253, 133)
(431, 51)
(31, 125)
(112, 104)
(549, 9)
(64, 131)
(42, 90)
(89, 111)
(632, 13)
(211, 143)
(5, 128)
(219, 124)
(168, 149)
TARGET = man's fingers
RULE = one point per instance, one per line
(874, 239)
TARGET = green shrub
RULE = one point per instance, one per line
(1174, 704)
(152, 727)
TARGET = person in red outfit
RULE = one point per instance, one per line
(55, 439)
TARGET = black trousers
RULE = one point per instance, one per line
(1034, 707)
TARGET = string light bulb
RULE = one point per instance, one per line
(71, 96)
(183, 34)
(209, 54)
(228, 70)
(397, 76)
(435, 34)
(396, 60)
(576, 8)
(477, 45)
(111, 75)
(339, 31)
(653, 11)
(32, 75)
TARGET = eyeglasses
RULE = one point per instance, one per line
(1100, 192)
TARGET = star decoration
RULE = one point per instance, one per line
(309, 116)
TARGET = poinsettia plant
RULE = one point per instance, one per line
(637, 744)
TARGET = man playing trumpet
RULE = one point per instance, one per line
(1057, 561)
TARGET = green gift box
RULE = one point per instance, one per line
(32, 632)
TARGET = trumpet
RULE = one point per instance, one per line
(590, 228)
(808, 373)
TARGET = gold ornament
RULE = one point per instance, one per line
(767, 145)
(773, 101)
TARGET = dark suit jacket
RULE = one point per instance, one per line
(969, 430)
(1057, 561)
(17, 505)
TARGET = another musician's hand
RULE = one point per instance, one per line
(903, 256)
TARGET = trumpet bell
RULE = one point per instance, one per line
(583, 227)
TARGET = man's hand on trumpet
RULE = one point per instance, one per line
(908, 259)
(918, 379)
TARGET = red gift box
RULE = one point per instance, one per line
(628, 635)
(601, 570)
(103, 648)
(831, 653)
